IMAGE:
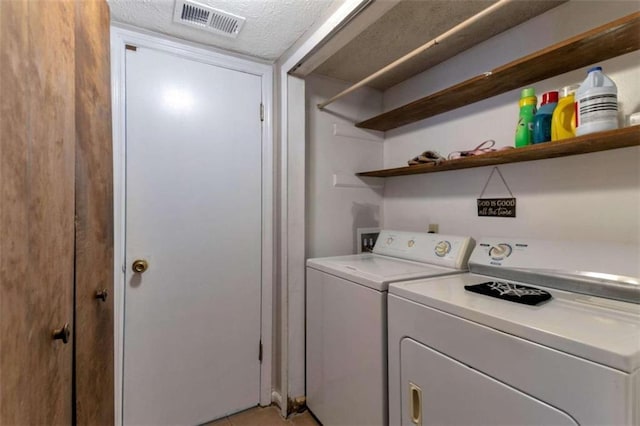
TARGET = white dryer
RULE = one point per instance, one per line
(457, 357)
(346, 320)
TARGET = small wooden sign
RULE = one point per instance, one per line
(497, 207)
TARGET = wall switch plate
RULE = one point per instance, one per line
(366, 239)
(433, 228)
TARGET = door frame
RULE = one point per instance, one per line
(122, 35)
(291, 180)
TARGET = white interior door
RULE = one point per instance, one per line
(193, 212)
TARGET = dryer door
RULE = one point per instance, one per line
(438, 390)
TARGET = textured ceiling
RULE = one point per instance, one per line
(414, 22)
(271, 26)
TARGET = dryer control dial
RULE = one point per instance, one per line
(442, 248)
(500, 251)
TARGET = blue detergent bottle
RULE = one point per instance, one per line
(542, 120)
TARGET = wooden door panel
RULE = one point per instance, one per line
(14, 248)
(36, 180)
(94, 212)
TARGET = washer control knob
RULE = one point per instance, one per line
(411, 243)
(442, 248)
(389, 240)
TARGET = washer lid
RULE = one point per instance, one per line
(601, 330)
(376, 271)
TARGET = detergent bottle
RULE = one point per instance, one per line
(542, 120)
(524, 130)
(596, 103)
(563, 122)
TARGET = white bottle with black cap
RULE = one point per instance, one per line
(596, 103)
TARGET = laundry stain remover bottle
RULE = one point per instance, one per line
(524, 130)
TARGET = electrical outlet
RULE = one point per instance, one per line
(433, 228)
(367, 241)
(367, 238)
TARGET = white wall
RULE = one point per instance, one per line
(334, 213)
(584, 197)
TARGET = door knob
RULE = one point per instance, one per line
(62, 334)
(102, 294)
(139, 266)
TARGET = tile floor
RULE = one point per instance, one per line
(264, 416)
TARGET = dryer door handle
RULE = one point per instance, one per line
(415, 404)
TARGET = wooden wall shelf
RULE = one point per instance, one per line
(620, 138)
(607, 41)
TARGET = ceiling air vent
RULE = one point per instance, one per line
(207, 18)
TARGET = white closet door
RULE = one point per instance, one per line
(193, 213)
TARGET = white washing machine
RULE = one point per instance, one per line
(346, 322)
(457, 357)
